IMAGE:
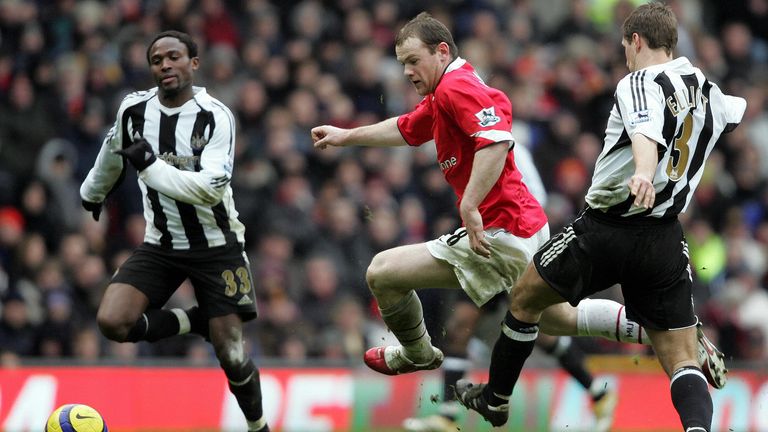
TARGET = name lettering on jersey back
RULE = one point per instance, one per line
(184, 163)
(681, 100)
(448, 163)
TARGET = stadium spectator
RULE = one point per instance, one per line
(17, 334)
(54, 336)
(25, 126)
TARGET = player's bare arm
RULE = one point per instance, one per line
(646, 159)
(486, 169)
(382, 134)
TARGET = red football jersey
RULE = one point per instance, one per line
(464, 115)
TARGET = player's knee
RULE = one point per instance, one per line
(229, 353)
(519, 296)
(113, 327)
(228, 346)
(375, 273)
(525, 299)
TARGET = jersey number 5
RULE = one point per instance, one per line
(678, 160)
(239, 280)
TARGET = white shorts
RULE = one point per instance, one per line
(482, 278)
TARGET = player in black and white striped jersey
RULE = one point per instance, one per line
(182, 142)
(182, 211)
(683, 114)
(665, 122)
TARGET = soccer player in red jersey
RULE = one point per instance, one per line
(504, 225)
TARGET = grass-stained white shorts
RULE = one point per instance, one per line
(482, 278)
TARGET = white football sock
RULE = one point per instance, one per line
(608, 319)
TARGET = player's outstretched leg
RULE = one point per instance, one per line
(406, 321)
(459, 329)
(124, 316)
(512, 348)
(608, 319)
(676, 351)
(245, 384)
(392, 277)
(519, 330)
(691, 399)
(571, 359)
(241, 372)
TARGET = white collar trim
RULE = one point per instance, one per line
(459, 62)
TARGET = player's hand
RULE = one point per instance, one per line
(473, 222)
(93, 207)
(642, 188)
(139, 154)
(324, 136)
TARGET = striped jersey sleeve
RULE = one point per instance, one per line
(674, 105)
(108, 168)
(641, 106)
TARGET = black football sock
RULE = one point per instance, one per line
(512, 348)
(198, 322)
(571, 358)
(154, 324)
(245, 384)
(454, 368)
(690, 396)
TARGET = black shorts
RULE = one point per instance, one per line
(221, 277)
(649, 258)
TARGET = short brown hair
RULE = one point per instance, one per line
(656, 23)
(430, 31)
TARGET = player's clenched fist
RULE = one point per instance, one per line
(325, 135)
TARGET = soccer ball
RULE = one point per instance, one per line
(75, 418)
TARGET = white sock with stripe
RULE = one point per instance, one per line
(608, 319)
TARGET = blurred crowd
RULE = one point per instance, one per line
(315, 219)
